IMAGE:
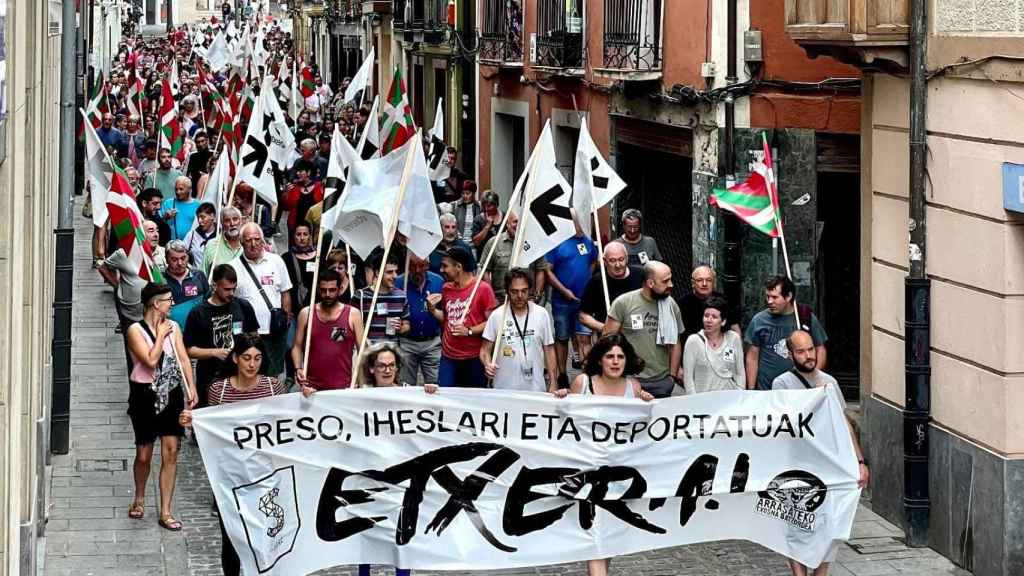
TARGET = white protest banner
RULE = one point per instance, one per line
(473, 479)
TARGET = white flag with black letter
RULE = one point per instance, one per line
(343, 156)
(369, 141)
(418, 220)
(282, 141)
(255, 167)
(547, 199)
(98, 169)
(437, 154)
(595, 183)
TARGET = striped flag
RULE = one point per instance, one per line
(96, 107)
(171, 135)
(307, 86)
(755, 201)
(126, 223)
(399, 125)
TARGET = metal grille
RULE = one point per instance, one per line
(501, 39)
(559, 34)
(632, 34)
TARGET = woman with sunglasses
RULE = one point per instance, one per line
(157, 397)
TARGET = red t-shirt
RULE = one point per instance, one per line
(454, 300)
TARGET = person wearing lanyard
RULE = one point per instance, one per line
(421, 345)
(526, 346)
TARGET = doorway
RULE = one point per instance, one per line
(658, 184)
(508, 141)
(838, 276)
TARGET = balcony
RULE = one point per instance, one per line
(421, 20)
(855, 31)
(501, 38)
(632, 40)
(560, 29)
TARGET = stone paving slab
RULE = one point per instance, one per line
(89, 532)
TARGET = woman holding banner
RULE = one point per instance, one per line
(242, 381)
(607, 372)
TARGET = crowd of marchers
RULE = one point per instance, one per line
(234, 318)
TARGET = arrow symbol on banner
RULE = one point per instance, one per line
(258, 155)
(544, 208)
(599, 181)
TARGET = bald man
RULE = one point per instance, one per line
(263, 282)
(179, 211)
(640, 316)
(703, 282)
(804, 376)
(622, 278)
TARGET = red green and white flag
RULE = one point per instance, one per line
(399, 125)
(126, 223)
(171, 135)
(96, 107)
(307, 85)
(755, 201)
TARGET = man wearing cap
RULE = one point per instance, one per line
(463, 320)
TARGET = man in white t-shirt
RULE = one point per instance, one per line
(527, 345)
(803, 376)
(262, 280)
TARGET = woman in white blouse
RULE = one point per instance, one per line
(713, 357)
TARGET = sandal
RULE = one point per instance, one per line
(136, 511)
(169, 523)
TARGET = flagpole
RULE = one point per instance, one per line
(773, 196)
(393, 229)
(517, 249)
(348, 271)
(600, 249)
(312, 301)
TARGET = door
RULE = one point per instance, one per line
(838, 276)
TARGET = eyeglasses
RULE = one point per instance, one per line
(167, 299)
(386, 367)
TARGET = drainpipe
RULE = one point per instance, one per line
(916, 414)
(731, 231)
(60, 410)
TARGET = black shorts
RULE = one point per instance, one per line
(147, 424)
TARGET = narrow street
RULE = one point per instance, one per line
(89, 532)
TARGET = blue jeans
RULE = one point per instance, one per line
(364, 570)
(468, 373)
(567, 322)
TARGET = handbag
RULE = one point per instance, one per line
(278, 318)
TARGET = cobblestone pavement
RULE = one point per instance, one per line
(89, 532)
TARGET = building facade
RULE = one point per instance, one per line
(650, 77)
(29, 173)
(974, 259)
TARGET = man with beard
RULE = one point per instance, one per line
(198, 160)
(337, 332)
(228, 245)
(150, 201)
(766, 356)
(421, 345)
(803, 376)
(526, 347)
(651, 322)
(212, 326)
(164, 177)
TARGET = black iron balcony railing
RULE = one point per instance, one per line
(632, 35)
(435, 21)
(426, 16)
(560, 33)
(501, 38)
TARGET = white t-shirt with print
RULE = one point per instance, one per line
(516, 371)
(272, 274)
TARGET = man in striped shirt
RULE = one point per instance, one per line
(391, 314)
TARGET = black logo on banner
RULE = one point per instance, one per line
(792, 497)
(585, 490)
(269, 512)
(544, 209)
